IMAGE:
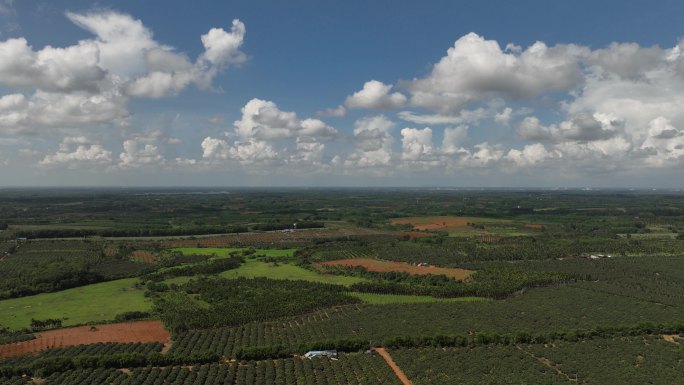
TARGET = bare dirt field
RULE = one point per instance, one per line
(434, 223)
(140, 331)
(379, 265)
(455, 225)
(144, 256)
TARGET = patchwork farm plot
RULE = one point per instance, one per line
(255, 268)
(144, 256)
(467, 226)
(140, 331)
(226, 251)
(274, 238)
(496, 292)
(378, 265)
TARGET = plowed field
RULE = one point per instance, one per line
(144, 256)
(140, 331)
(434, 223)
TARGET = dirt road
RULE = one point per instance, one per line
(397, 370)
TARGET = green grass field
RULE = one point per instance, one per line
(384, 299)
(96, 302)
(225, 251)
(254, 268)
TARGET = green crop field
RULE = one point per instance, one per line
(96, 302)
(254, 268)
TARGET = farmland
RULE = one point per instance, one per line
(383, 299)
(256, 268)
(226, 251)
(37, 267)
(512, 287)
(96, 302)
(386, 266)
(133, 332)
(349, 369)
(600, 361)
(468, 226)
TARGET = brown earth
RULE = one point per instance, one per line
(144, 256)
(382, 266)
(139, 331)
(534, 226)
(397, 370)
(674, 338)
(433, 223)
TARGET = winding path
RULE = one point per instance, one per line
(397, 370)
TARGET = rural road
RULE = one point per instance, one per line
(397, 370)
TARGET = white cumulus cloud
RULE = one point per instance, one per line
(263, 120)
(376, 95)
(51, 69)
(138, 154)
(91, 82)
(476, 68)
(77, 152)
(373, 140)
(416, 143)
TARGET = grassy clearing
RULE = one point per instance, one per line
(96, 302)
(383, 299)
(225, 251)
(254, 268)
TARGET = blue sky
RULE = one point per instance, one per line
(383, 93)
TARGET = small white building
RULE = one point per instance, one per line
(321, 353)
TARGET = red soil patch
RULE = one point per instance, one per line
(140, 331)
(144, 256)
(534, 226)
(433, 223)
(382, 266)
